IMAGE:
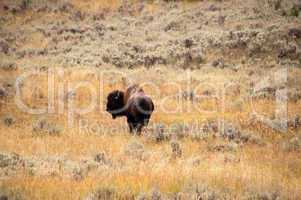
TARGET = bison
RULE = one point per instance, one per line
(133, 104)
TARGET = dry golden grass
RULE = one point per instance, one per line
(252, 168)
(259, 168)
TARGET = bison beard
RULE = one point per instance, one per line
(133, 104)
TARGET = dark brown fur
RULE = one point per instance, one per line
(133, 104)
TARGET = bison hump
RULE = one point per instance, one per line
(131, 91)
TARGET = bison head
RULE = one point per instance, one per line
(115, 103)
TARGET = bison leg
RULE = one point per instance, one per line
(140, 123)
(131, 123)
(139, 128)
(136, 125)
(146, 120)
(143, 122)
(131, 127)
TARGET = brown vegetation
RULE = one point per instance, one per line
(187, 53)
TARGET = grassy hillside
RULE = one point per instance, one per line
(218, 72)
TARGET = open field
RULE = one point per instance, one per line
(224, 77)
